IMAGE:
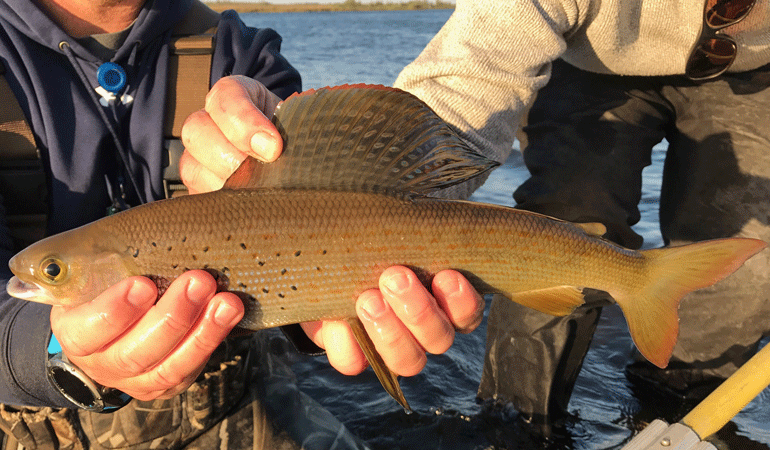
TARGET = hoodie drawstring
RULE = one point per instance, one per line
(118, 201)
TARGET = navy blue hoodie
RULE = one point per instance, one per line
(78, 150)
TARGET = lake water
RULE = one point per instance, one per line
(373, 47)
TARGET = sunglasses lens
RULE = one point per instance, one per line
(727, 12)
(711, 58)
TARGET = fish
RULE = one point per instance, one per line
(357, 190)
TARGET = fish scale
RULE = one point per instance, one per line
(305, 255)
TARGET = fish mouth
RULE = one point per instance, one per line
(26, 291)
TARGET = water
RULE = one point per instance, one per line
(372, 47)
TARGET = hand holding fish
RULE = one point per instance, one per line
(403, 320)
(234, 125)
(104, 337)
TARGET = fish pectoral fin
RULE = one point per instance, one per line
(556, 301)
(386, 376)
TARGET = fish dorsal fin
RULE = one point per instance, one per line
(362, 137)
(593, 228)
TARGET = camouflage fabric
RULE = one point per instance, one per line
(250, 401)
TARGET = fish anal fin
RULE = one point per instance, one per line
(592, 228)
(556, 301)
(388, 379)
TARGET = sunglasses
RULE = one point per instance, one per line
(714, 52)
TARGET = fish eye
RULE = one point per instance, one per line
(53, 270)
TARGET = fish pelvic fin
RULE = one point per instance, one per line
(386, 376)
(363, 138)
(556, 301)
(672, 272)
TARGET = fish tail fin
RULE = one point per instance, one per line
(673, 272)
(386, 376)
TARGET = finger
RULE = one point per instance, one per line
(165, 325)
(342, 350)
(197, 177)
(417, 309)
(205, 142)
(234, 105)
(313, 331)
(85, 329)
(393, 341)
(459, 300)
(180, 368)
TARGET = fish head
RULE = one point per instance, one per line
(70, 268)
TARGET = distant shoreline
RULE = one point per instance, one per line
(348, 5)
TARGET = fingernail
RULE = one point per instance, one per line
(372, 306)
(197, 292)
(396, 283)
(139, 294)
(226, 315)
(448, 284)
(265, 146)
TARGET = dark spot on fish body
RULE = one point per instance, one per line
(297, 253)
(243, 246)
(266, 290)
(293, 288)
(283, 271)
(280, 295)
(242, 285)
(205, 249)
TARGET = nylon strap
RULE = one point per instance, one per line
(16, 138)
(189, 73)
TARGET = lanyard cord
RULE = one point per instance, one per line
(65, 47)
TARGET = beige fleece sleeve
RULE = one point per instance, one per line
(482, 69)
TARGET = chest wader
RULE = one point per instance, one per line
(141, 424)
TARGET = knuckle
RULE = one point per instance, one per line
(70, 343)
(216, 91)
(174, 326)
(395, 339)
(408, 367)
(191, 127)
(421, 309)
(126, 364)
(205, 343)
(440, 342)
(164, 378)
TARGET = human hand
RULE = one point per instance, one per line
(403, 320)
(234, 124)
(125, 340)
